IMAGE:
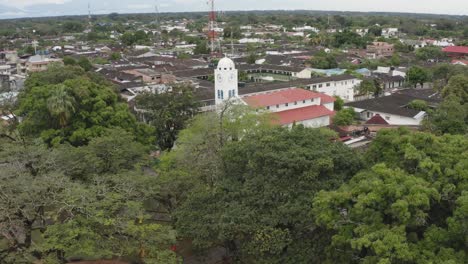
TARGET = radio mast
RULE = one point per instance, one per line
(215, 47)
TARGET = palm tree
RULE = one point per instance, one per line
(61, 105)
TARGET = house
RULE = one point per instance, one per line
(415, 44)
(395, 108)
(460, 62)
(36, 63)
(381, 49)
(457, 52)
(343, 86)
(389, 32)
(295, 106)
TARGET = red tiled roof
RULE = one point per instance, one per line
(280, 97)
(302, 114)
(326, 98)
(377, 120)
(456, 49)
(465, 62)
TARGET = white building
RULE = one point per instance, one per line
(226, 81)
(394, 109)
(389, 32)
(295, 106)
(344, 86)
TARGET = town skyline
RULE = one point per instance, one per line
(46, 8)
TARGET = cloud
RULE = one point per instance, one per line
(26, 3)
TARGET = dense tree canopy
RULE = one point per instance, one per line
(75, 110)
(409, 209)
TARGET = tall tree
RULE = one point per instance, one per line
(168, 112)
(275, 168)
(61, 105)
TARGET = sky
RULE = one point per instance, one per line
(39, 8)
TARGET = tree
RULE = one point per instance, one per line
(417, 104)
(69, 61)
(61, 105)
(345, 117)
(339, 103)
(94, 99)
(417, 75)
(395, 60)
(252, 58)
(457, 86)
(323, 61)
(430, 53)
(367, 87)
(373, 213)
(450, 117)
(128, 39)
(407, 208)
(84, 63)
(168, 111)
(274, 168)
(115, 56)
(201, 48)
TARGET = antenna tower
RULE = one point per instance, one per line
(89, 16)
(156, 11)
(215, 47)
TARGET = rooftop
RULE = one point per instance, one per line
(302, 114)
(280, 97)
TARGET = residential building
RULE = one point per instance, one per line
(457, 52)
(395, 108)
(381, 49)
(295, 106)
(344, 86)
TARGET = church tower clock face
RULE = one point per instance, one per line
(231, 77)
(220, 78)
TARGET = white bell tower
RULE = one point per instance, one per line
(226, 82)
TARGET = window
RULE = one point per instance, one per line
(320, 85)
(222, 95)
(277, 106)
(328, 84)
(286, 104)
(303, 102)
(368, 114)
(268, 107)
(295, 103)
(387, 117)
(314, 86)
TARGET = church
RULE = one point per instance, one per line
(289, 105)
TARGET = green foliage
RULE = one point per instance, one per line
(84, 63)
(457, 86)
(420, 105)
(72, 27)
(323, 61)
(349, 39)
(345, 117)
(75, 111)
(69, 61)
(367, 87)
(430, 53)
(168, 112)
(201, 48)
(417, 75)
(252, 58)
(115, 56)
(339, 103)
(450, 117)
(272, 168)
(408, 209)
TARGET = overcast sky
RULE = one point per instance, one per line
(27, 8)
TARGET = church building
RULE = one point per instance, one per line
(289, 106)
